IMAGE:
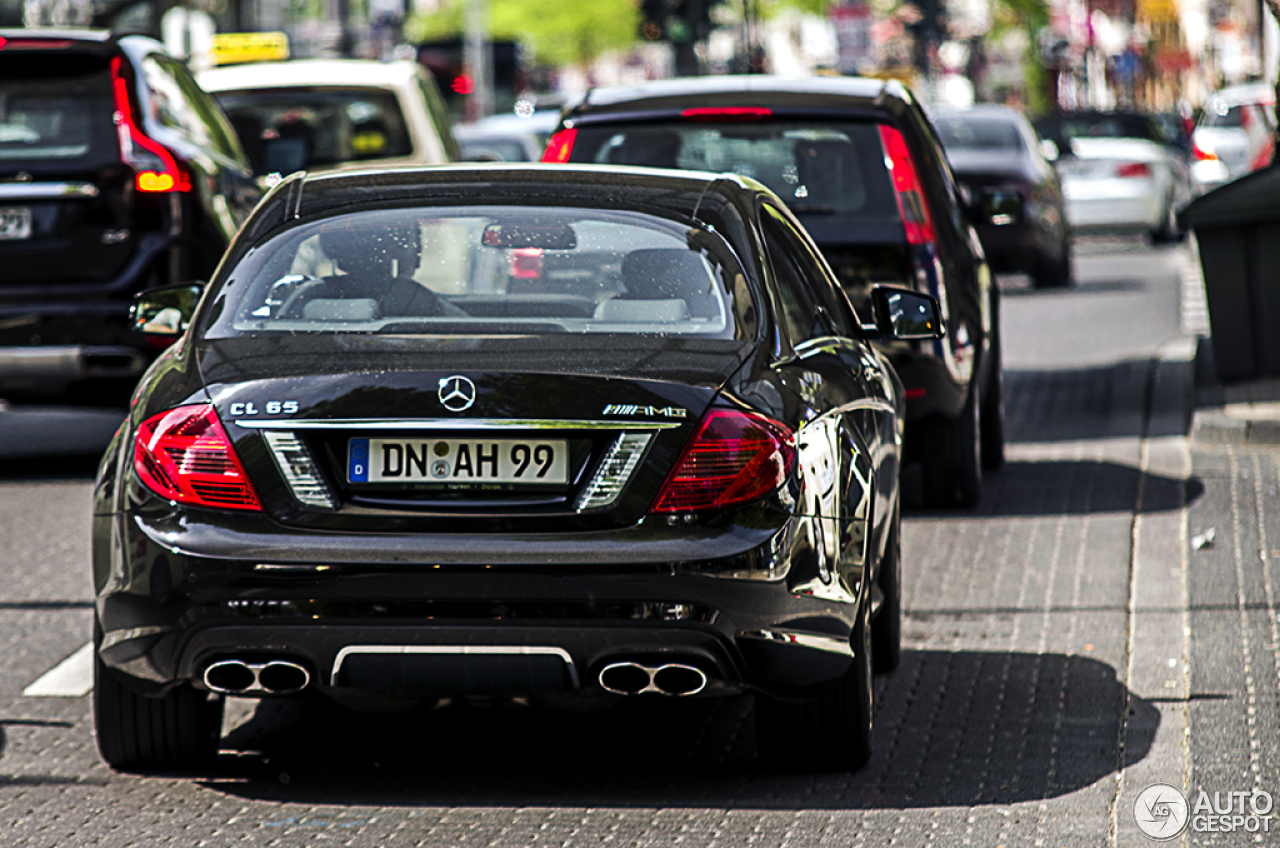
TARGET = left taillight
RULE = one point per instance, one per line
(156, 169)
(734, 458)
(560, 147)
(184, 455)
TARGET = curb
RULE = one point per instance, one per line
(1241, 414)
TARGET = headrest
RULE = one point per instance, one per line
(648, 148)
(660, 273)
(373, 250)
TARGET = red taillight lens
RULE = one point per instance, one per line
(735, 457)
(1203, 155)
(157, 173)
(727, 113)
(184, 455)
(906, 185)
(526, 263)
(1134, 169)
(560, 147)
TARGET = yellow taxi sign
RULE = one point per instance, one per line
(230, 48)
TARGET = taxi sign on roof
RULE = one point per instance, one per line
(233, 47)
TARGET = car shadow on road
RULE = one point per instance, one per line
(953, 728)
(1079, 487)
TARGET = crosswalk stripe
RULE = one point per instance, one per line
(71, 678)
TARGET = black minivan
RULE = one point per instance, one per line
(862, 168)
(117, 174)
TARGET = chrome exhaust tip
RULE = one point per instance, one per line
(237, 677)
(625, 678)
(679, 680)
(632, 678)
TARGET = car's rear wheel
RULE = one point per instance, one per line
(172, 732)
(886, 627)
(1168, 231)
(1053, 272)
(953, 456)
(830, 732)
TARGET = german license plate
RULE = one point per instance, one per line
(435, 460)
(15, 223)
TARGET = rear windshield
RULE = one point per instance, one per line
(977, 133)
(55, 108)
(1062, 130)
(467, 270)
(830, 168)
(287, 130)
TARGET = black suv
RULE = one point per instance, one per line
(860, 165)
(117, 174)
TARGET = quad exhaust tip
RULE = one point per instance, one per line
(237, 677)
(633, 678)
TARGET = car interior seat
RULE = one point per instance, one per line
(648, 149)
(662, 284)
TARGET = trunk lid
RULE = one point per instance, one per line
(537, 434)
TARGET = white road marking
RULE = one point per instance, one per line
(71, 678)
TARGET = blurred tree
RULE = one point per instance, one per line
(557, 34)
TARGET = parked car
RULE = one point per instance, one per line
(507, 138)
(861, 167)
(117, 174)
(328, 114)
(994, 152)
(1121, 172)
(668, 468)
(1235, 134)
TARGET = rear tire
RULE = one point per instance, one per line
(831, 732)
(1053, 272)
(1167, 232)
(953, 463)
(886, 627)
(173, 732)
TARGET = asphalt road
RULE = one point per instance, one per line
(1066, 647)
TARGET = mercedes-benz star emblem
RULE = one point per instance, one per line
(457, 393)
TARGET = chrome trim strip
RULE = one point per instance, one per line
(450, 424)
(45, 191)
(829, 644)
(517, 650)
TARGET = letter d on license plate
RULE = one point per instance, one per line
(453, 461)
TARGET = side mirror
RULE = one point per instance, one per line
(906, 315)
(1001, 208)
(165, 312)
(1049, 149)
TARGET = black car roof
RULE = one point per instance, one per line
(749, 90)
(302, 195)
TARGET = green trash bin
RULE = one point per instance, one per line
(1238, 229)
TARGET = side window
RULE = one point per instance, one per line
(798, 314)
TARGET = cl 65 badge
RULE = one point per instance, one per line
(272, 407)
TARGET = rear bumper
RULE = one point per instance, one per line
(52, 368)
(755, 619)
(1135, 208)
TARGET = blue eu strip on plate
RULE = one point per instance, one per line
(358, 461)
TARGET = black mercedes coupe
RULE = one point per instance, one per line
(556, 433)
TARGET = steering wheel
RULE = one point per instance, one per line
(297, 296)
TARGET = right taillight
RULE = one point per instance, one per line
(560, 147)
(735, 457)
(1133, 169)
(184, 455)
(907, 187)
